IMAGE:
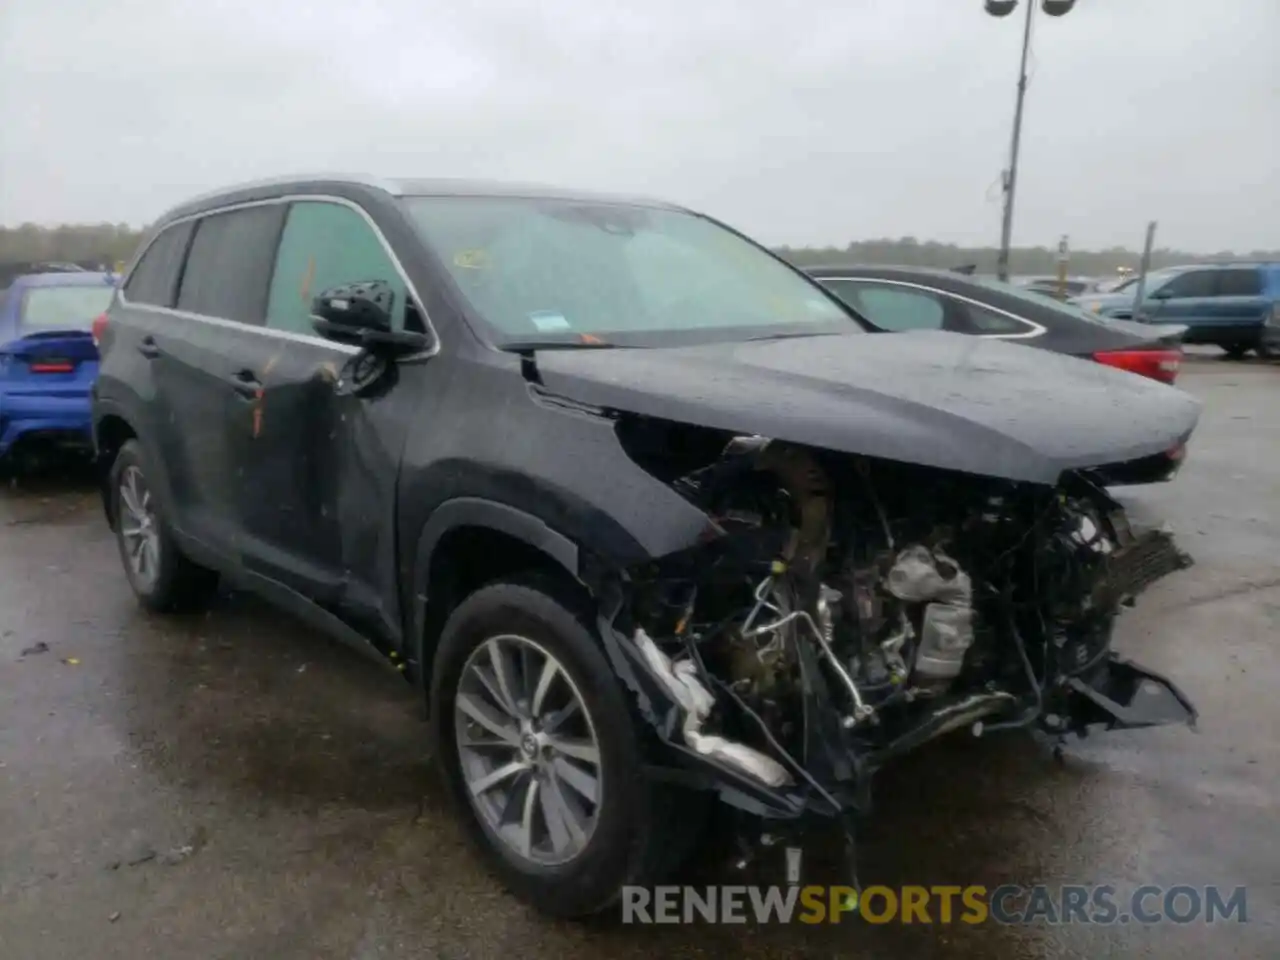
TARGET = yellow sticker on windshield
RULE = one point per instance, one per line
(471, 259)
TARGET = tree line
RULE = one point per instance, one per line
(109, 243)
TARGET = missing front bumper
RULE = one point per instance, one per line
(1123, 695)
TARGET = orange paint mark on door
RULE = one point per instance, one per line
(308, 278)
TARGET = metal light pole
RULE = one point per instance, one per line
(1002, 8)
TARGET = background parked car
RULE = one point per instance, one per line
(1232, 305)
(910, 298)
(1049, 286)
(48, 360)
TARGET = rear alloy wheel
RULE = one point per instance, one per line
(139, 531)
(536, 739)
(162, 577)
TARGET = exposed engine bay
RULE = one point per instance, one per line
(845, 610)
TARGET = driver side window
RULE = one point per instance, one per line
(326, 245)
(1194, 283)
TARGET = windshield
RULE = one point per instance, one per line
(62, 308)
(1157, 278)
(590, 272)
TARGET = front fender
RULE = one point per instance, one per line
(476, 512)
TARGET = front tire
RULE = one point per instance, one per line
(1236, 351)
(541, 754)
(162, 577)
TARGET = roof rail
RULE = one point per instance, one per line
(356, 179)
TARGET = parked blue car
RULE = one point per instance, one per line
(1234, 305)
(48, 358)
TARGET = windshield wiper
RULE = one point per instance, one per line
(527, 346)
(792, 336)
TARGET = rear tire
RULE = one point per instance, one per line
(628, 836)
(162, 577)
(1236, 351)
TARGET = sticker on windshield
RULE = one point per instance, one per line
(471, 259)
(548, 321)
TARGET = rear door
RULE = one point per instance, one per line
(1239, 306)
(204, 375)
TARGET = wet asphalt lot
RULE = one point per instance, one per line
(231, 786)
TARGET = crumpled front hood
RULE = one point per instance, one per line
(937, 399)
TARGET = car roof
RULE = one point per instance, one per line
(391, 187)
(877, 269)
(1216, 265)
(81, 278)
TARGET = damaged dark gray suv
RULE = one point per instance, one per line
(650, 518)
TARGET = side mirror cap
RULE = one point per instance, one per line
(360, 314)
(347, 311)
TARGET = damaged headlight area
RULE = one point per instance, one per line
(841, 611)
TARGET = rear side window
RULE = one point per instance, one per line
(890, 307)
(1240, 283)
(154, 280)
(229, 267)
(982, 321)
(326, 245)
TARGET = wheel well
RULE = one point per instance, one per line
(469, 557)
(112, 433)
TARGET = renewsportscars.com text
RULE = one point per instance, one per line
(975, 904)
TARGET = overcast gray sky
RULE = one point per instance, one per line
(799, 123)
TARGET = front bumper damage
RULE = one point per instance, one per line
(1118, 694)
(1125, 695)
(829, 777)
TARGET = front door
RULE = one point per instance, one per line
(1187, 298)
(317, 464)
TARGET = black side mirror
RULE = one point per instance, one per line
(361, 314)
(1164, 293)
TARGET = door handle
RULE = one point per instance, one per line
(149, 348)
(246, 383)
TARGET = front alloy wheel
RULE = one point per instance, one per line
(541, 751)
(528, 750)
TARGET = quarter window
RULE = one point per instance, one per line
(229, 266)
(1240, 283)
(983, 321)
(154, 280)
(326, 245)
(889, 307)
